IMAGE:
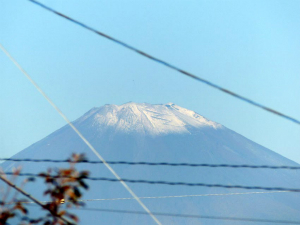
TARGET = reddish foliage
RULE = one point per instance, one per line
(64, 187)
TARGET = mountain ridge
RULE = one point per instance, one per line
(194, 139)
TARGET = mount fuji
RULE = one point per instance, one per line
(168, 133)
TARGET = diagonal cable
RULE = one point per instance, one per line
(81, 136)
(169, 65)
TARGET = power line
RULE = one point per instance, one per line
(189, 216)
(175, 196)
(156, 164)
(183, 196)
(168, 64)
(192, 216)
(35, 200)
(167, 182)
(80, 135)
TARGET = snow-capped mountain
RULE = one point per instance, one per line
(169, 133)
(149, 119)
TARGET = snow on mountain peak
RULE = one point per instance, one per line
(147, 118)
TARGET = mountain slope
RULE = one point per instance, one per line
(167, 132)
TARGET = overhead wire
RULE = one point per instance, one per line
(169, 65)
(184, 196)
(155, 163)
(164, 182)
(174, 196)
(193, 216)
(80, 135)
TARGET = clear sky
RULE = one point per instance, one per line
(250, 47)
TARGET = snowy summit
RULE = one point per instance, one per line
(148, 118)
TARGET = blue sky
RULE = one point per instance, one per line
(249, 47)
